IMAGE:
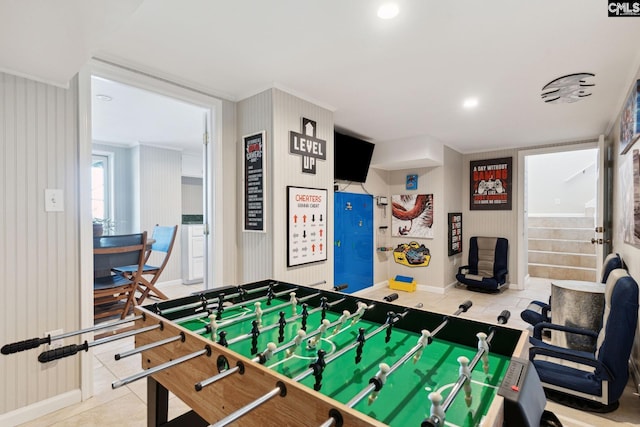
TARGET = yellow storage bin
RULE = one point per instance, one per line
(400, 283)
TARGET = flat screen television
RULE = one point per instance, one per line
(352, 157)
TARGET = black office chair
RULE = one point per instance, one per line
(582, 379)
(488, 264)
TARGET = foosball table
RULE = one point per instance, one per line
(272, 353)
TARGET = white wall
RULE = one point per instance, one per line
(565, 182)
(38, 250)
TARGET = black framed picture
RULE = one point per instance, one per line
(254, 178)
(490, 184)
(455, 232)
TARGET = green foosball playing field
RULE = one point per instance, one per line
(403, 399)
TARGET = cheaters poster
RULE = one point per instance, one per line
(490, 182)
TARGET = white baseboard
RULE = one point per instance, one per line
(38, 409)
(171, 283)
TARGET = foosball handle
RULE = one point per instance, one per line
(391, 297)
(340, 287)
(465, 306)
(19, 346)
(503, 317)
(62, 352)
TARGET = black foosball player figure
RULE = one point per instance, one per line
(325, 306)
(281, 324)
(203, 301)
(270, 294)
(305, 314)
(242, 292)
(390, 318)
(318, 369)
(223, 339)
(360, 340)
(255, 331)
(220, 306)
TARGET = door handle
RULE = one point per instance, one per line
(600, 241)
(338, 243)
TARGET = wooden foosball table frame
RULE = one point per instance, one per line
(299, 405)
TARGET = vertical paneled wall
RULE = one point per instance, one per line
(38, 250)
(492, 223)
(452, 202)
(230, 184)
(288, 113)
(160, 187)
(255, 254)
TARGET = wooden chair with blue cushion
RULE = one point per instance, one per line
(164, 237)
(488, 264)
(592, 380)
(113, 292)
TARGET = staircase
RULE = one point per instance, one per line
(561, 248)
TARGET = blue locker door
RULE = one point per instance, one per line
(353, 248)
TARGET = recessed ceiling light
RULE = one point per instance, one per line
(388, 11)
(105, 98)
(470, 103)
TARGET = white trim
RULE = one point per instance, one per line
(41, 408)
(164, 87)
(522, 248)
(35, 78)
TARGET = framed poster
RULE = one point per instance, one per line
(412, 215)
(306, 225)
(630, 120)
(490, 184)
(455, 233)
(253, 147)
(412, 182)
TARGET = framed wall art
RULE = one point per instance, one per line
(490, 184)
(306, 225)
(254, 163)
(630, 120)
(455, 233)
(412, 215)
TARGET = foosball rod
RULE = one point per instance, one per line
(181, 336)
(267, 311)
(273, 351)
(37, 342)
(376, 384)
(438, 420)
(212, 300)
(70, 350)
(391, 321)
(281, 388)
(275, 325)
(206, 314)
(162, 367)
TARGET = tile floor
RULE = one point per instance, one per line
(126, 406)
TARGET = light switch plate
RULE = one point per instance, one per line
(53, 200)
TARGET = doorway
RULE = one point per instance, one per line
(154, 144)
(561, 208)
(211, 176)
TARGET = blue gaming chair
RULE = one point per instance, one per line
(594, 381)
(539, 311)
(488, 264)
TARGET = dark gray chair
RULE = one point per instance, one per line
(113, 292)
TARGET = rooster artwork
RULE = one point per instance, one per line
(412, 215)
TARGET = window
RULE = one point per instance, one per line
(100, 187)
